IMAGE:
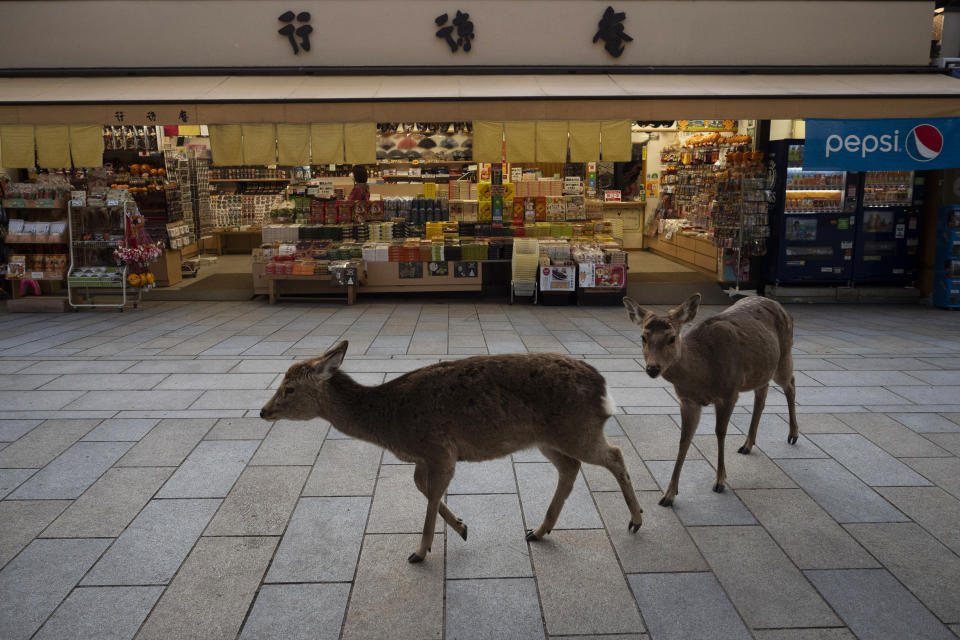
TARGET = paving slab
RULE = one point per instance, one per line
(210, 470)
(819, 423)
(600, 479)
(392, 599)
(947, 441)
(191, 381)
(926, 422)
(105, 382)
(121, 430)
(297, 612)
(882, 364)
(290, 442)
(167, 444)
(874, 605)
(44, 443)
(118, 400)
(932, 508)
(863, 378)
(537, 483)
(231, 398)
(707, 612)
(841, 494)
(260, 503)
(23, 381)
(37, 581)
(22, 520)
(100, 613)
(151, 549)
(63, 366)
(492, 609)
(697, 503)
(212, 591)
(10, 430)
(322, 541)
(804, 634)
(345, 467)
(772, 437)
(492, 476)
(10, 479)
(582, 589)
(891, 435)
(868, 461)
(183, 366)
(925, 566)
(239, 429)
(71, 472)
(661, 545)
(944, 472)
(764, 585)
(654, 437)
(642, 397)
(753, 471)
(495, 546)
(398, 506)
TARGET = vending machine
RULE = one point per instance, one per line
(813, 220)
(946, 278)
(888, 236)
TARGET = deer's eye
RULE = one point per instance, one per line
(643, 340)
(287, 391)
(672, 340)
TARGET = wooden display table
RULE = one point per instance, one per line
(318, 284)
(689, 249)
(230, 241)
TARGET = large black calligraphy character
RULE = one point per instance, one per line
(610, 30)
(464, 27)
(303, 31)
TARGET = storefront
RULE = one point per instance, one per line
(480, 126)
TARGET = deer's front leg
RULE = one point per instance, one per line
(438, 477)
(724, 409)
(689, 418)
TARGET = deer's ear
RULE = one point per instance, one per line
(687, 310)
(325, 365)
(637, 313)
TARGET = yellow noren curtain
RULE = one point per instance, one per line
(259, 144)
(584, 141)
(552, 140)
(17, 145)
(487, 141)
(293, 144)
(360, 142)
(326, 143)
(86, 145)
(226, 144)
(521, 139)
(53, 146)
(616, 144)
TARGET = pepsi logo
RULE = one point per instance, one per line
(924, 143)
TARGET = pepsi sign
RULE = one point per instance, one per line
(882, 145)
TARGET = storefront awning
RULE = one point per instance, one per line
(224, 99)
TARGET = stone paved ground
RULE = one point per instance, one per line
(143, 497)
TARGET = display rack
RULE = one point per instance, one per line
(96, 231)
(36, 242)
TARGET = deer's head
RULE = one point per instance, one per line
(661, 333)
(302, 392)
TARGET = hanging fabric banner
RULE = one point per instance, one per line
(552, 140)
(226, 145)
(584, 141)
(882, 145)
(487, 141)
(616, 144)
(293, 144)
(326, 143)
(53, 146)
(521, 141)
(18, 147)
(86, 145)
(259, 144)
(360, 142)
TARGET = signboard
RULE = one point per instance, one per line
(880, 145)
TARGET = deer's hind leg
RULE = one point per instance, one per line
(437, 476)
(759, 402)
(567, 468)
(724, 410)
(457, 524)
(784, 378)
(606, 455)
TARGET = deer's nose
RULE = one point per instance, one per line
(263, 414)
(653, 371)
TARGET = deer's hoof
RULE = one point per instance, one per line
(633, 528)
(414, 558)
(531, 536)
(665, 502)
(718, 488)
(743, 450)
(792, 439)
(463, 534)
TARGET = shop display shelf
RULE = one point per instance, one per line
(97, 244)
(250, 180)
(43, 276)
(60, 241)
(20, 203)
(834, 189)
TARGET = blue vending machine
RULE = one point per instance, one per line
(888, 236)
(813, 221)
(946, 278)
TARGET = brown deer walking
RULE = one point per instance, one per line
(472, 409)
(741, 349)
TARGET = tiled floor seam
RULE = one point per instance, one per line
(533, 567)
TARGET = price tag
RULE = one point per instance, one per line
(113, 203)
(36, 275)
(17, 203)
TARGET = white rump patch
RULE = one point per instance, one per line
(609, 404)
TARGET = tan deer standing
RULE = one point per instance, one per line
(740, 349)
(472, 409)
